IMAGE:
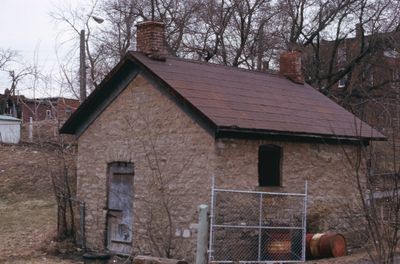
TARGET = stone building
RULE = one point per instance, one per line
(158, 128)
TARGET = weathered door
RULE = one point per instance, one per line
(120, 207)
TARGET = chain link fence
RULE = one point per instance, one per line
(257, 227)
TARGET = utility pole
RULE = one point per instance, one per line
(82, 60)
(82, 67)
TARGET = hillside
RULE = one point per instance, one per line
(27, 204)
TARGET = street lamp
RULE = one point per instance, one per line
(82, 61)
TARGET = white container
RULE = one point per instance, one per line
(10, 129)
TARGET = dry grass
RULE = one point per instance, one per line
(27, 206)
(24, 227)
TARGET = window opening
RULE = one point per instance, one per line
(269, 165)
(48, 114)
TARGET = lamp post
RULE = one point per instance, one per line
(82, 61)
(82, 67)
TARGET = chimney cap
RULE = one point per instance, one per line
(150, 22)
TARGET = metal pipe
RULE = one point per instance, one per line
(260, 228)
(82, 224)
(82, 67)
(202, 232)
(269, 193)
(210, 253)
(304, 222)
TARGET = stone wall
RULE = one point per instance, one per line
(331, 179)
(173, 161)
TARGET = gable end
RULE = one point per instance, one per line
(114, 84)
(99, 99)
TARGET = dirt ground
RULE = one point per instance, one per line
(356, 258)
(28, 210)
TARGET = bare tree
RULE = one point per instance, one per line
(341, 36)
(17, 71)
(376, 169)
(77, 19)
(230, 32)
(7, 56)
(64, 181)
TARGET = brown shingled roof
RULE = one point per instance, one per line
(248, 100)
(230, 100)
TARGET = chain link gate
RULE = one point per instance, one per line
(257, 227)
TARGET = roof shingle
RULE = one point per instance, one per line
(249, 100)
(234, 100)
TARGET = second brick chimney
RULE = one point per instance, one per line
(150, 39)
(290, 66)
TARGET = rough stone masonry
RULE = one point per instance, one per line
(174, 159)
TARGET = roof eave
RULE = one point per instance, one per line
(236, 132)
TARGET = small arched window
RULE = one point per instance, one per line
(269, 165)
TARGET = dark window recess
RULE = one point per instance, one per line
(68, 111)
(342, 83)
(269, 165)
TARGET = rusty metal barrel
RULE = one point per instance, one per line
(325, 245)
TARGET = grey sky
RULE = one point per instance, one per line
(26, 26)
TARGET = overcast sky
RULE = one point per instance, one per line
(26, 26)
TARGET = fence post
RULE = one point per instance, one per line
(202, 235)
(30, 130)
(82, 224)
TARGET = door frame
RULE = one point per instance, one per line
(118, 167)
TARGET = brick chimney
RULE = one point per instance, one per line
(150, 39)
(290, 66)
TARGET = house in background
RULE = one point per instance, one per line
(50, 108)
(377, 74)
(372, 88)
(157, 129)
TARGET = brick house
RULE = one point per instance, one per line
(157, 129)
(377, 74)
(372, 85)
(52, 108)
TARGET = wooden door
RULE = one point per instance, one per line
(120, 208)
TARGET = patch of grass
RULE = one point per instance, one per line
(24, 226)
